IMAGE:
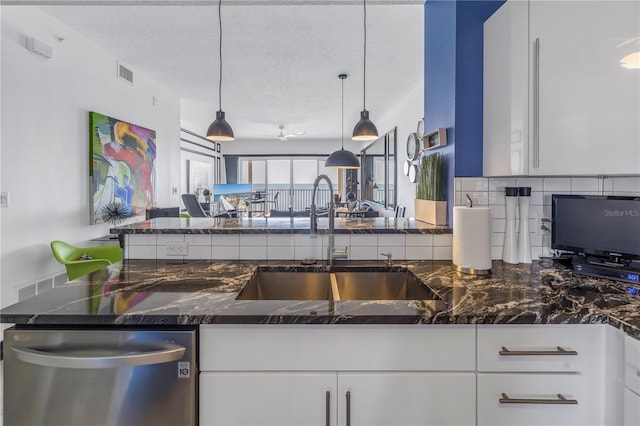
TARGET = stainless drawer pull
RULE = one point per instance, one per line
(561, 400)
(328, 408)
(559, 351)
(348, 396)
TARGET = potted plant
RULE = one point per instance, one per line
(430, 203)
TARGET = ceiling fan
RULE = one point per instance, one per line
(284, 137)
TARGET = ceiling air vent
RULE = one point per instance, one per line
(125, 73)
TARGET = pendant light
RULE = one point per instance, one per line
(342, 158)
(220, 130)
(365, 130)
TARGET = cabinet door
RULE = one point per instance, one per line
(407, 399)
(534, 400)
(631, 408)
(505, 91)
(267, 399)
(586, 106)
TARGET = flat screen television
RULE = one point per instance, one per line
(597, 225)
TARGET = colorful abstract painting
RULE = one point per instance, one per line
(122, 167)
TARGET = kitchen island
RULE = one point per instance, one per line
(430, 362)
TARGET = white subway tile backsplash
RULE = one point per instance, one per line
(419, 252)
(220, 252)
(629, 184)
(226, 239)
(557, 184)
(307, 239)
(498, 225)
(584, 184)
(253, 252)
(442, 253)
(198, 239)
(169, 238)
(281, 252)
(607, 186)
(474, 184)
(363, 253)
(497, 239)
(309, 252)
(201, 252)
(141, 252)
(442, 240)
(498, 212)
(253, 240)
(391, 240)
(339, 240)
(499, 184)
(161, 253)
(496, 253)
(280, 240)
(397, 252)
(536, 198)
(497, 198)
(419, 240)
(368, 240)
(142, 240)
(536, 184)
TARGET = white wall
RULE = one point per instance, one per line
(44, 140)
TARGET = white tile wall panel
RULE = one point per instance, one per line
(397, 252)
(368, 240)
(499, 184)
(225, 239)
(141, 252)
(536, 198)
(419, 240)
(253, 252)
(498, 225)
(474, 184)
(442, 240)
(479, 198)
(498, 212)
(391, 240)
(198, 239)
(585, 184)
(312, 252)
(142, 239)
(281, 240)
(497, 198)
(364, 253)
(253, 240)
(419, 252)
(169, 238)
(496, 253)
(557, 184)
(607, 185)
(536, 184)
(307, 240)
(629, 184)
(219, 252)
(442, 253)
(340, 240)
(497, 239)
(199, 252)
(281, 252)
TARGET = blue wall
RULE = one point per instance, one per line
(453, 81)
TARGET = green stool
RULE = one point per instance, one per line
(96, 257)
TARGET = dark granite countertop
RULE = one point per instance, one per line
(148, 292)
(278, 225)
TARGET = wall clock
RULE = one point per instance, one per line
(413, 146)
(413, 173)
(420, 129)
(407, 166)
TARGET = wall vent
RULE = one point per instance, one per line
(125, 73)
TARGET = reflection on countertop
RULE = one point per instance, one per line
(149, 292)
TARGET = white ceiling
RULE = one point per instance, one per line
(281, 59)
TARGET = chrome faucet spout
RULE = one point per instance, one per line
(313, 228)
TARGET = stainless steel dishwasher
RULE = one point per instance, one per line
(100, 377)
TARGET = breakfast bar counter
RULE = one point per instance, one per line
(161, 293)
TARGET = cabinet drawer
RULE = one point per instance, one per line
(632, 363)
(543, 388)
(631, 408)
(337, 347)
(540, 348)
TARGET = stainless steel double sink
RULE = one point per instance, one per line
(396, 284)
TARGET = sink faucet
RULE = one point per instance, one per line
(332, 252)
(389, 261)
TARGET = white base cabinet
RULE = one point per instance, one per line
(631, 381)
(631, 408)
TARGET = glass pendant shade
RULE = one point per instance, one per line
(364, 129)
(343, 159)
(220, 130)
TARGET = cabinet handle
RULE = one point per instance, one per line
(559, 351)
(328, 408)
(536, 103)
(561, 400)
(348, 395)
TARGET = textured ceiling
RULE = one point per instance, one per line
(281, 59)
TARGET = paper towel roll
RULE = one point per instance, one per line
(472, 239)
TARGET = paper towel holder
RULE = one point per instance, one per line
(471, 271)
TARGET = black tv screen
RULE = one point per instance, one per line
(596, 225)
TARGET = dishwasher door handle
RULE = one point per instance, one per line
(115, 358)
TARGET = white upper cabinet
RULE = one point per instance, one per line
(583, 106)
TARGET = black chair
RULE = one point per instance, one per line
(154, 212)
(289, 213)
(399, 211)
(193, 206)
(275, 200)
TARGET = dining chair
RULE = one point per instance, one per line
(79, 261)
(193, 206)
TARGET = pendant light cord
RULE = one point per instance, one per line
(220, 56)
(342, 122)
(364, 91)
